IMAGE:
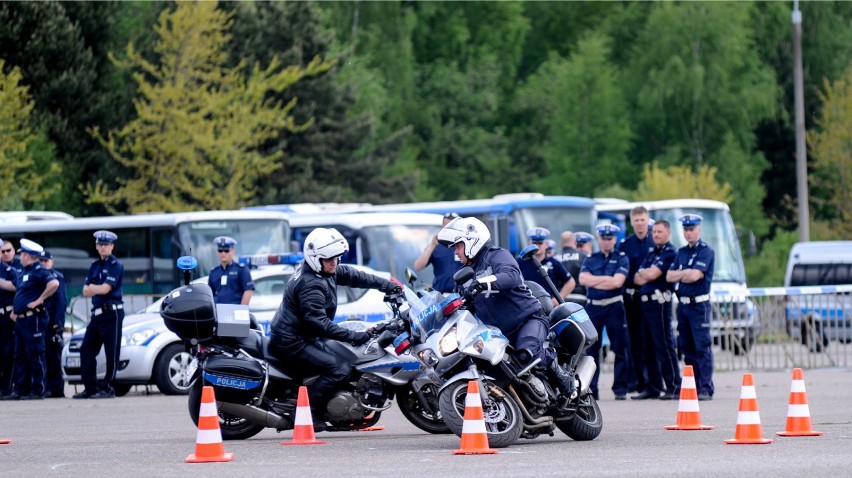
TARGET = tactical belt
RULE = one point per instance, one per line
(107, 308)
(6, 310)
(609, 301)
(694, 300)
(630, 291)
(658, 296)
(32, 312)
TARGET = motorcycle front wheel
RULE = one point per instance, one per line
(503, 421)
(420, 417)
(587, 423)
(232, 427)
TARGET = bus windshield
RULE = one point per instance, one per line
(392, 248)
(252, 236)
(556, 219)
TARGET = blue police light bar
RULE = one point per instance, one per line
(257, 260)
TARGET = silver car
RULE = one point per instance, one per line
(152, 354)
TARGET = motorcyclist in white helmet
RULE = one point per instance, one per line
(305, 318)
(505, 302)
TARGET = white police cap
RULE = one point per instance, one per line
(651, 223)
(688, 220)
(30, 247)
(583, 237)
(607, 229)
(105, 237)
(538, 233)
(225, 242)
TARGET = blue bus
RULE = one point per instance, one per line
(508, 216)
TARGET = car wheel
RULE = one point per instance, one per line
(171, 370)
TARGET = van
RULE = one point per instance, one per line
(817, 310)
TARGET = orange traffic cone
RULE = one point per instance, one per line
(5, 441)
(303, 428)
(208, 443)
(748, 431)
(798, 413)
(474, 438)
(688, 416)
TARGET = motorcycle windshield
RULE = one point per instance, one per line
(426, 313)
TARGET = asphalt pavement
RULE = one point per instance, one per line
(150, 435)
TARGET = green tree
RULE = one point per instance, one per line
(677, 182)
(194, 143)
(831, 147)
(29, 173)
(579, 110)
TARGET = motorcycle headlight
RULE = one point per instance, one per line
(449, 343)
(428, 358)
(137, 337)
(479, 345)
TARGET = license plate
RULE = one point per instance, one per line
(72, 362)
(191, 368)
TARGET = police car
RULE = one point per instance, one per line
(151, 354)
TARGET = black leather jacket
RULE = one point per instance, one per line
(310, 302)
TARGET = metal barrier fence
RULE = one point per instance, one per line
(779, 328)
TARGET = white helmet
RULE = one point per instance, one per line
(469, 230)
(323, 243)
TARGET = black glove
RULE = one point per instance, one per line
(360, 338)
(471, 290)
(392, 289)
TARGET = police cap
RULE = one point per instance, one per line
(538, 234)
(105, 237)
(607, 230)
(225, 242)
(30, 247)
(690, 220)
(45, 255)
(583, 237)
(651, 223)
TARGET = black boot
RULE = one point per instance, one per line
(563, 380)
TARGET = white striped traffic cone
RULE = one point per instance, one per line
(303, 428)
(474, 438)
(208, 442)
(688, 416)
(748, 431)
(798, 413)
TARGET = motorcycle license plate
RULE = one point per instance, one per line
(191, 368)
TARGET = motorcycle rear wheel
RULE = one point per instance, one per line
(232, 427)
(587, 423)
(421, 418)
(503, 421)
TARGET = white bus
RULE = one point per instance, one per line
(734, 315)
(149, 244)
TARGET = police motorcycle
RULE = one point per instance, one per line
(518, 400)
(255, 390)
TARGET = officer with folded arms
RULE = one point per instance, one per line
(8, 279)
(603, 273)
(692, 273)
(636, 246)
(35, 285)
(231, 281)
(55, 304)
(655, 296)
(103, 285)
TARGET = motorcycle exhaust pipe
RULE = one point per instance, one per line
(585, 371)
(530, 423)
(256, 415)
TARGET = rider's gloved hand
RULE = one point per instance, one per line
(392, 288)
(360, 338)
(474, 288)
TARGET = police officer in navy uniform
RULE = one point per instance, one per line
(444, 262)
(572, 258)
(8, 281)
(103, 285)
(655, 295)
(55, 304)
(603, 273)
(35, 285)
(230, 281)
(636, 246)
(584, 245)
(692, 273)
(7, 257)
(563, 281)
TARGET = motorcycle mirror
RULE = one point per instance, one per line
(410, 276)
(528, 252)
(463, 275)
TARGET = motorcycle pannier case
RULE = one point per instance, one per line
(573, 329)
(190, 312)
(234, 380)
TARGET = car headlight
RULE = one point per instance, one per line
(449, 343)
(137, 337)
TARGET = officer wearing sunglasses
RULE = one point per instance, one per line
(231, 281)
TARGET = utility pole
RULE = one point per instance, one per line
(801, 147)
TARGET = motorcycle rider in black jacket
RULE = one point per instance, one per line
(305, 318)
